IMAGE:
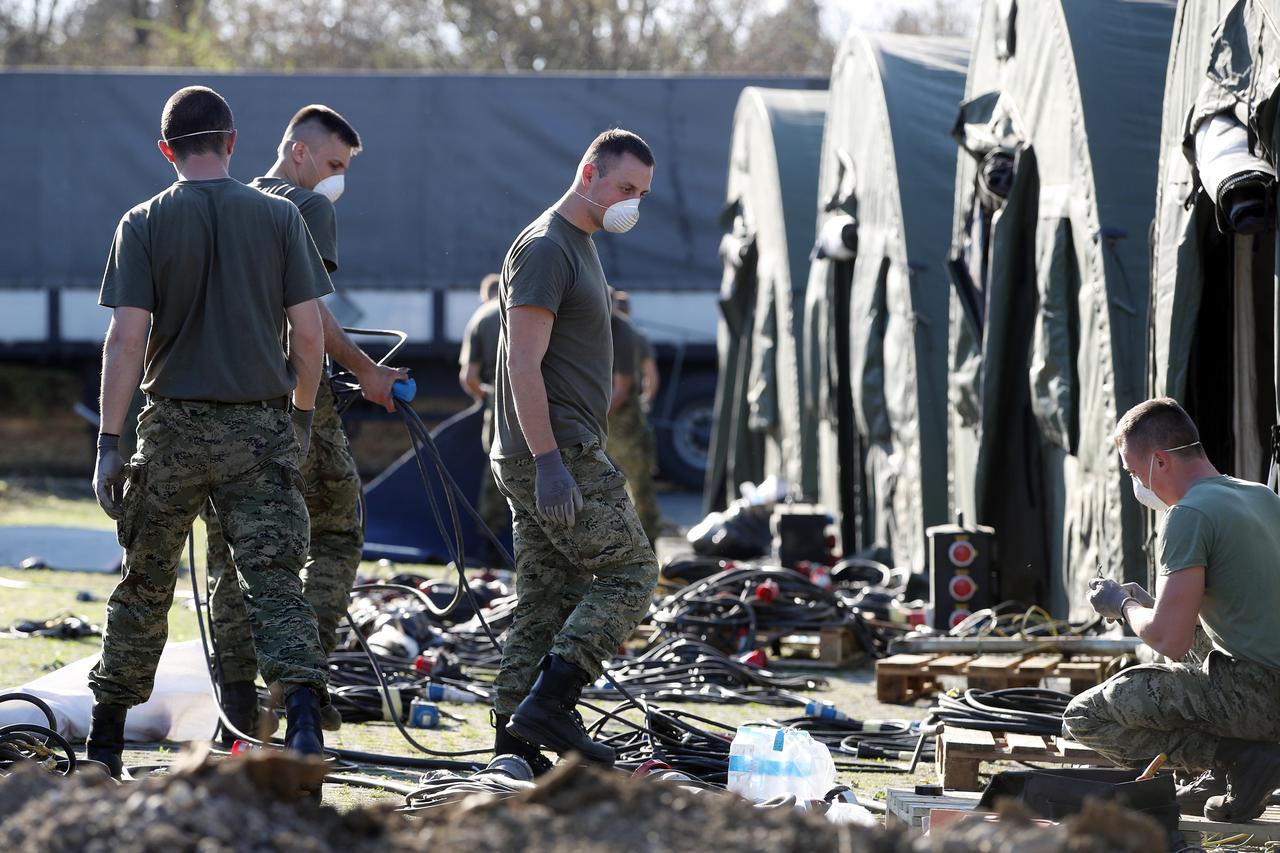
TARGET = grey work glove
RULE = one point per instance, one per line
(1108, 598)
(558, 496)
(1139, 594)
(302, 430)
(108, 475)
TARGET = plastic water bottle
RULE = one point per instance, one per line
(766, 762)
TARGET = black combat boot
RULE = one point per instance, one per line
(106, 737)
(1194, 793)
(240, 704)
(549, 716)
(505, 743)
(1253, 772)
(303, 735)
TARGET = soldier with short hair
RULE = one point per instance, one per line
(477, 367)
(1218, 548)
(585, 571)
(310, 171)
(205, 281)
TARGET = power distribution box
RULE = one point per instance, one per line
(962, 571)
(800, 533)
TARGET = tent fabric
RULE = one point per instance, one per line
(1055, 271)
(773, 175)
(1213, 293)
(453, 166)
(876, 339)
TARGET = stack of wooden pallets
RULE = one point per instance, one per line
(907, 677)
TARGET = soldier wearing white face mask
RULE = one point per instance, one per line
(310, 171)
(585, 571)
(1219, 566)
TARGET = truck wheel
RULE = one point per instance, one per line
(684, 423)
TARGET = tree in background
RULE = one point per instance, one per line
(444, 35)
(937, 18)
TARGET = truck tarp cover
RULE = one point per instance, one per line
(453, 166)
(1213, 309)
(773, 179)
(876, 323)
(1054, 200)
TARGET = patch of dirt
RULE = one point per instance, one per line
(246, 804)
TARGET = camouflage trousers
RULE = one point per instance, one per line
(331, 486)
(490, 503)
(244, 459)
(1181, 709)
(632, 446)
(581, 590)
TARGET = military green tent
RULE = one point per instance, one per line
(773, 179)
(1214, 255)
(875, 336)
(1050, 272)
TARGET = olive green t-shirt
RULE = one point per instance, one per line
(216, 263)
(317, 211)
(554, 265)
(627, 358)
(480, 341)
(1232, 528)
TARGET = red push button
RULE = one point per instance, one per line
(961, 553)
(962, 588)
(959, 616)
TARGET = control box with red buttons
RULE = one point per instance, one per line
(962, 571)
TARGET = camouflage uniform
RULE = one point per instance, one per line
(631, 445)
(244, 457)
(582, 590)
(332, 488)
(1181, 709)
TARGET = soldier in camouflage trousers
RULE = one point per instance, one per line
(631, 445)
(1217, 546)
(561, 610)
(244, 457)
(331, 485)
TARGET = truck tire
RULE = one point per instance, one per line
(684, 422)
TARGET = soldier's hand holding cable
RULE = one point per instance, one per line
(302, 429)
(108, 475)
(558, 496)
(1108, 598)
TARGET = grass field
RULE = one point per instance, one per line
(42, 594)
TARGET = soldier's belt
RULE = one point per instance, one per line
(281, 403)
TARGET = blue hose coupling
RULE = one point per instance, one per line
(404, 389)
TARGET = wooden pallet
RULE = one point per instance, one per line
(907, 677)
(960, 752)
(829, 648)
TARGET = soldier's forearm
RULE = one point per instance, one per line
(121, 370)
(621, 388)
(339, 346)
(306, 353)
(530, 394)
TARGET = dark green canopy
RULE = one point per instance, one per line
(1054, 199)
(773, 176)
(876, 314)
(1213, 289)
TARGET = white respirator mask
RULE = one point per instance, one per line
(618, 218)
(332, 187)
(1144, 494)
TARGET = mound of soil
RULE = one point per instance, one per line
(247, 804)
